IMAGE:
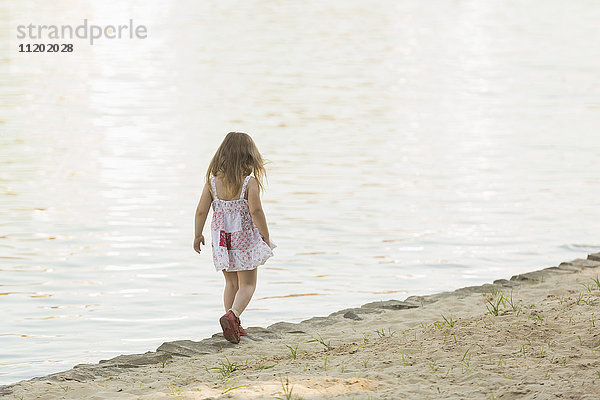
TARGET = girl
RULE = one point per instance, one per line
(240, 236)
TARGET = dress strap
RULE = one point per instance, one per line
(214, 187)
(244, 187)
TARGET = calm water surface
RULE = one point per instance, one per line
(413, 149)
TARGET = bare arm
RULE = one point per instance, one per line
(256, 211)
(201, 214)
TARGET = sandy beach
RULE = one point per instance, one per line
(535, 335)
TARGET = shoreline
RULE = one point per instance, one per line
(285, 354)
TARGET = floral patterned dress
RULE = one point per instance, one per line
(236, 242)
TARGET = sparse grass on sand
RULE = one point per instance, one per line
(539, 338)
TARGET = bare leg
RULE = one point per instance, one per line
(231, 288)
(246, 286)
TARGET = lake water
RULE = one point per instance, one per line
(414, 148)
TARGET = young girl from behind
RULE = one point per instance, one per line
(239, 232)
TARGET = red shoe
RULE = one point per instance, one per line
(243, 331)
(231, 327)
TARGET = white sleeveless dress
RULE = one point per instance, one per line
(236, 242)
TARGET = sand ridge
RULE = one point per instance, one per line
(536, 335)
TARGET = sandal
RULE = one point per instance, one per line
(231, 327)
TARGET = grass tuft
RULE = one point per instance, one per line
(450, 321)
(327, 344)
(293, 351)
(228, 387)
(494, 308)
(163, 359)
(287, 390)
(466, 360)
(226, 368)
(588, 286)
(382, 333)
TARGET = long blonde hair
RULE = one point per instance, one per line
(236, 158)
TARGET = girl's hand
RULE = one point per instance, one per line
(197, 241)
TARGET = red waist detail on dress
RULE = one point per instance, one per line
(225, 240)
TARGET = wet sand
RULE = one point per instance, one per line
(536, 335)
